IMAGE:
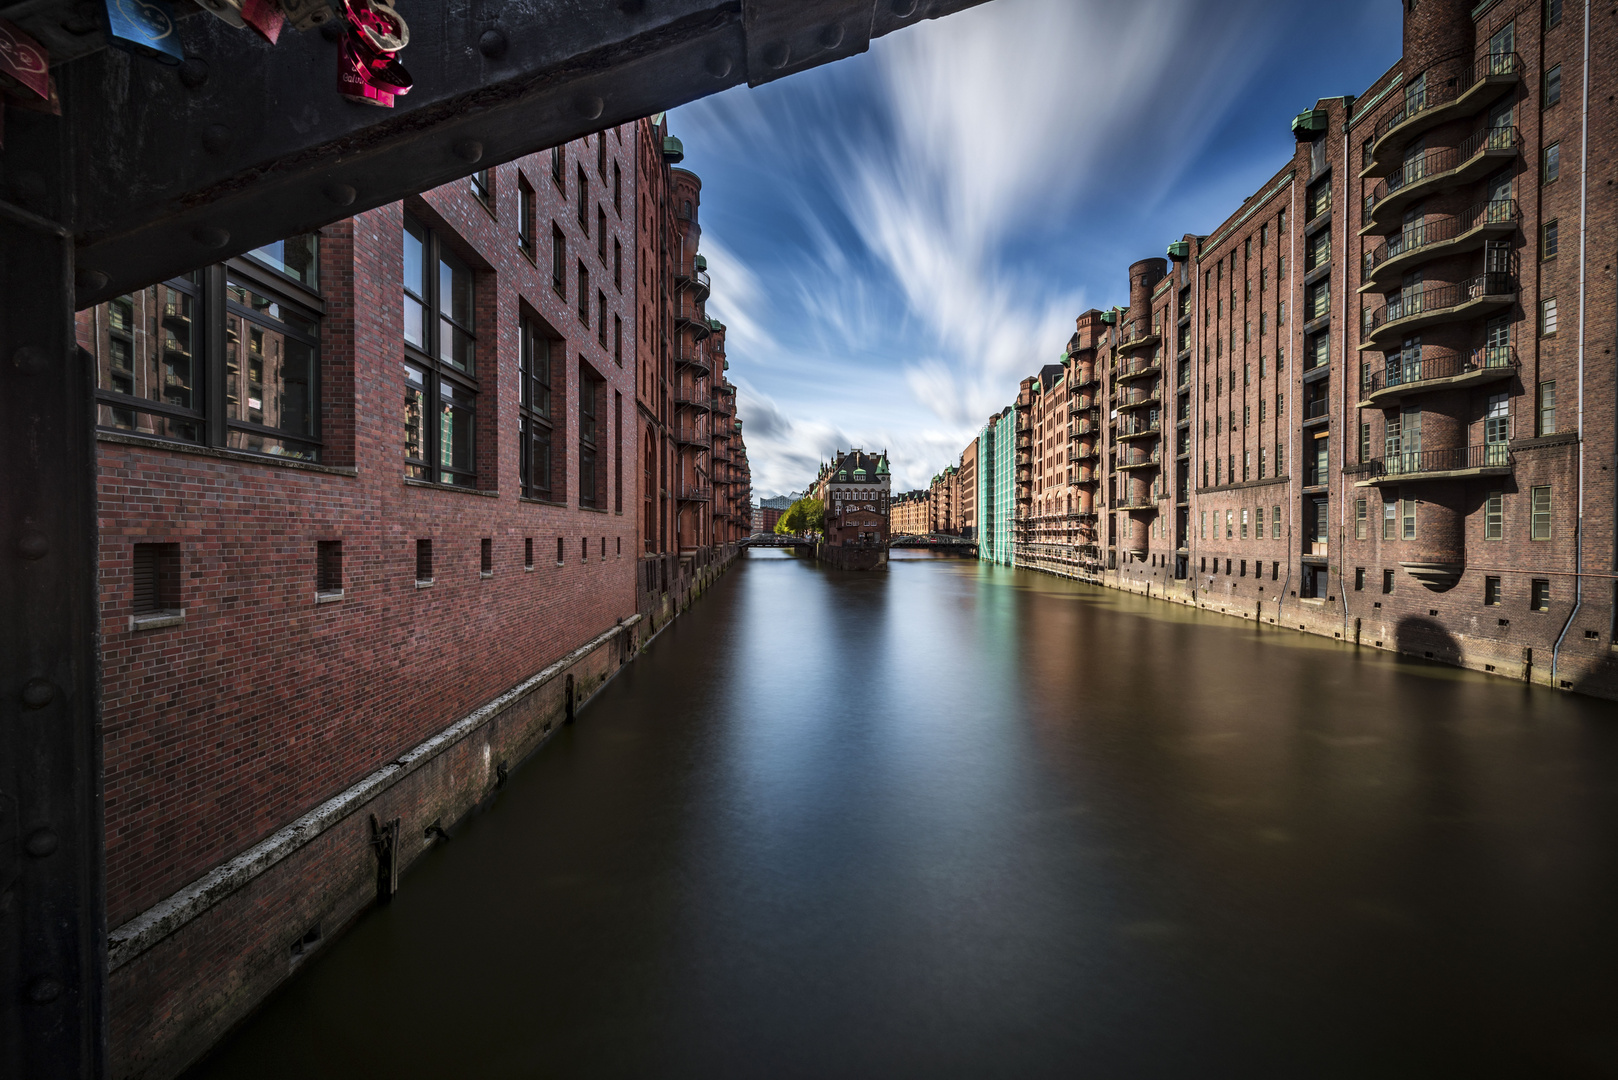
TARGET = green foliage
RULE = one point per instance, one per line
(807, 515)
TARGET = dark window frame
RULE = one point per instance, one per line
(438, 374)
(211, 374)
(527, 205)
(591, 441)
(538, 417)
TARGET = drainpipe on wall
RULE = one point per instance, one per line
(1342, 393)
(1292, 399)
(1584, 231)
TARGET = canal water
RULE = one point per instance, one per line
(958, 820)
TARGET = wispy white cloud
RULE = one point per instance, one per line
(897, 239)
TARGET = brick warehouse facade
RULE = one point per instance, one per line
(331, 473)
(1377, 403)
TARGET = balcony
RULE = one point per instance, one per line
(1399, 380)
(1081, 428)
(1137, 507)
(688, 312)
(1144, 429)
(690, 437)
(1438, 304)
(692, 398)
(693, 492)
(1081, 381)
(1137, 369)
(1080, 405)
(1456, 463)
(1081, 453)
(1138, 339)
(1151, 461)
(1136, 401)
(697, 281)
(1491, 78)
(1468, 231)
(688, 355)
(1438, 170)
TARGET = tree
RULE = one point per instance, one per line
(807, 515)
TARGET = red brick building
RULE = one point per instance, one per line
(372, 511)
(1377, 402)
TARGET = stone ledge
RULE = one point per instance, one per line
(173, 912)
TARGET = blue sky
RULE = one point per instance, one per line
(898, 238)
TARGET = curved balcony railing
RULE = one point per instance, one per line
(1437, 303)
(1436, 168)
(1137, 427)
(693, 492)
(1419, 111)
(1136, 401)
(691, 437)
(1149, 461)
(1136, 369)
(688, 355)
(1438, 234)
(1439, 464)
(1080, 427)
(1492, 361)
(692, 399)
(1079, 405)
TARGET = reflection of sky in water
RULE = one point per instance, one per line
(950, 819)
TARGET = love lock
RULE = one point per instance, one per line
(367, 69)
(306, 14)
(262, 16)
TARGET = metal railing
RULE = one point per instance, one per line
(1316, 408)
(1135, 400)
(1495, 455)
(1438, 298)
(1136, 367)
(697, 399)
(694, 492)
(1401, 372)
(1080, 427)
(1441, 160)
(1493, 212)
(1414, 104)
(1139, 427)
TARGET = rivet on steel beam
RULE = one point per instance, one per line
(341, 194)
(91, 279)
(41, 842)
(31, 359)
(38, 693)
(589, 107)
(831, 36)
(903, 8)
(718, 64)
(468, 150)
(44, 990)
(33, 545)
(193, 72)
(777, 55)
(211, 236)
(217, 139)
(492, 43)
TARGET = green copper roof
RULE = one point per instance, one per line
(673, 150)
(702, 262)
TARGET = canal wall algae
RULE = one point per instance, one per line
(188, 969)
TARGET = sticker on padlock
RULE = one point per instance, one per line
(24, 64)
(377, 25)
(368, 70)
(306, 14)
(145, 28)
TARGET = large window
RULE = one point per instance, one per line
(227, 356)
(440, 375)
(541, 370)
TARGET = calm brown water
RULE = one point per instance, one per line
(954, 820)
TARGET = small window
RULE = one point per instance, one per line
(1548, 240)
(1244, 536)
(1547, 317)
(1553, 14)
(1361, 521)
(601, 235)
(329, 566)
(1553, 86)
(558, 261)
(525, 218)
(559, 556)
(1275, 523)
(584, 200)
(584, 294)
(617, 264)
(1547, 408)
(486, 557)
(1387, 581)
(601, 317)
(1493, 515)
(1258, 524)
(1491, 591)
(1359, 579)
(1539, 514)
(556, 164)
(1244, 568)
(528, 553)
(618, 340)
(155, 577)
(1227, 567)
(424, 560)
(1552, 166)
(483, 187)
(1539, 597)
(584, 549)
(1407, 516)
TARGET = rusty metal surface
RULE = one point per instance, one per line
(168, 168)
